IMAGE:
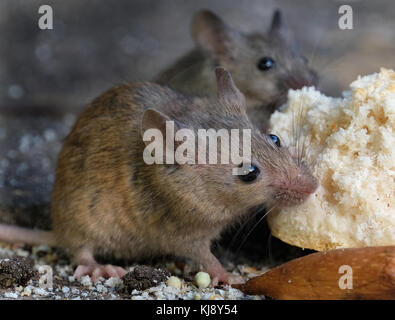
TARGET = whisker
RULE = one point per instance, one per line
(293, 129)
(304, 136)
(269, 248)
(253, 228)
(240, 229)
(315, 46)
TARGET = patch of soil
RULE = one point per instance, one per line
(16, 271)
(144, 277)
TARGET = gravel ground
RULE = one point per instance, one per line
(66, 287)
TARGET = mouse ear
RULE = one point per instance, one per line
(279, 30)
(277, 21)
(154, 119)
(212, 35)
(227, 92)
(163, 147)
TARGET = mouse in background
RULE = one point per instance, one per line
(107, 200)
(264, 66)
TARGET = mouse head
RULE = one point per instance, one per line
(273, 175)
(263, 65)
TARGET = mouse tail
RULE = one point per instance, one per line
(14, 234)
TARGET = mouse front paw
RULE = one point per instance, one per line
(226, 278)
(97, 270)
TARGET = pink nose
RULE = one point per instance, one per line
(300, 82)
(295, 191)
(297, 83)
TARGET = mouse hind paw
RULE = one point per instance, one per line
(87, 266)
(97, 270)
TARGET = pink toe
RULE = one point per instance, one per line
(120, 271)
(234, 279)
(82, 271)
(110, 271)
(214, 281)
(97, 273)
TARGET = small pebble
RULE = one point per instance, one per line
(86, 281)
(11, 295)
(112, 282)
(101, 288)
(40, 292)
(27, 291)
(65, 290)
(174, 282)
(197, 296)
(75, 291)
(202, 280)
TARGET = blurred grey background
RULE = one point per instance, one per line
(97, 43)
(47, 76)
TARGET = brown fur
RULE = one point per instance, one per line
(106, 199)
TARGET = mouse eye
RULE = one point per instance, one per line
(275, 139)
(251, 174)
(265, 63)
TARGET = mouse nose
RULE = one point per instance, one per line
(293, 191)
(298, 82)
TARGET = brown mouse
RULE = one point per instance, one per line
(106, 199)
(264, 66)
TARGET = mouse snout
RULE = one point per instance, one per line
(291, 190)
(298, 82)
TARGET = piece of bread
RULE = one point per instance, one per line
(351, 145)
